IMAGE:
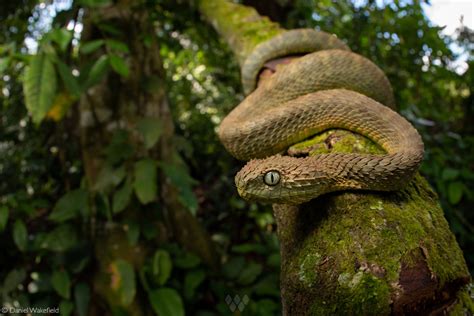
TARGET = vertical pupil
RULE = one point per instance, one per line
(272, 180)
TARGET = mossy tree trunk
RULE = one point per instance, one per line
(355, 252)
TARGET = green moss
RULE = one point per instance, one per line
(240, 26)
(355, 251)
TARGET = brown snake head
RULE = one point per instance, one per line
(281, 179)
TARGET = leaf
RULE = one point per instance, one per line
(62, 103)
(455, 191)
(192, 281)
(145, 180)
(39, 85)
(181, 179)
(150, 128)
(66, 308)
(124, 281)
(4, 211)
(70, 205)
(20, 235)
(250, 273)
(60, 239)
(162, 266)
(119, 65)
(166, 302)
(449, 174)
(187, 261)
(109, 178)
(13, 279)
(94, 3)
(133, 232)
(61, 283)
(4, 64)
(61, 36)
(92, 46)
(122, 198)
(70, 82)
(97, 72)
(117, 46)
(82, 297)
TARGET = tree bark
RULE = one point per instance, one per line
(355, 252)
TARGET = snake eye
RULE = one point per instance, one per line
(271, 178)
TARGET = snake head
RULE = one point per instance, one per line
(281, 179)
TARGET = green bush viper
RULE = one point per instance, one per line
(329, 87)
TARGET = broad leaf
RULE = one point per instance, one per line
(125, 277)
(166, 302)
(117, 46)
(145, 180)
(71, 205)
(455, 191)
(61, 36)
(97, 72)
(92, 46)
(70, 82)
(151, 129)
(61, 283)
(66, 308)
(119, 65)
(39, 85)
(192, 281)
(162, 266)
(60, 239)
(122, 197)
(13, 279)
(20, 235)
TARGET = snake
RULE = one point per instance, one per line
(328, 87)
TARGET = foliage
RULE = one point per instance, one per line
(56, 227)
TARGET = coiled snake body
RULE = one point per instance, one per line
(329, 88)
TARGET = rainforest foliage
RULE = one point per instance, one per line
(57, 230)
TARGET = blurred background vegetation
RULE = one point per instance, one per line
(53, 228)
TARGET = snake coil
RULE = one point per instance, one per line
(329, 87)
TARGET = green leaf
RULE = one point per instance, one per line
(145, 180)
(39, 86)
(119, 65)
(61, 36)
(82, 297)
(109, 178)
(66, 308)
(449, 174)
(97, 72)
(122, 198)
(187, 261)
(162, 266)
(126, 285)
(70, 82)
(13, 279)
(60, 239)
(70, 205)
(181, 179)
(20, 235)
(91, 46)
(192, 281)
(150, 128)
(455, 191)
(61, 283)
(133, 232)
(93, 3)
(250, 273)
(166, 302)
(4, 211)
(4, 64)
(117, 46)
(232, 268)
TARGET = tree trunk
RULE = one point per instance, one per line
(355, 252)
(119, 103)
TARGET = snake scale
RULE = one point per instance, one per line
(329, 87)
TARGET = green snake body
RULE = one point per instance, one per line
(330, 88)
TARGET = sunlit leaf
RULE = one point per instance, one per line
(145, 180)
(39, 85)
(62, 102)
